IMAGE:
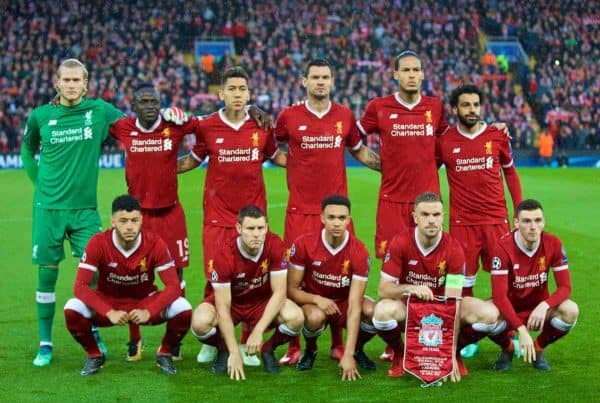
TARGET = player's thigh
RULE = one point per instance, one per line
(491, 234)
(475, 310)
(170, 225)
(297, 224)
(392, 218)
(390, 309)
(83, 224)
(48, 234)
(471, 241)
(250, 314)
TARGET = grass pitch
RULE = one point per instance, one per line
(570, 198)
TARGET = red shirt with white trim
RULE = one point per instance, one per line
(151, 163)
(234, 177)
(407, 262)
(520, 276)
(126, 274)
(248, 276)
(407, 135)
(328, 272)
(316, 143)
(474, 164)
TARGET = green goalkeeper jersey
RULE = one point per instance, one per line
(69, 140)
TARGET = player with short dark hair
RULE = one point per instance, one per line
(236, 148)
(317, 133)
(520, 269)
(330, 269)
(126, 260)
(247, 283)
(152, 145)
(426, 262)
(476, 156)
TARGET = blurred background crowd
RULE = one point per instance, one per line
(124, 43)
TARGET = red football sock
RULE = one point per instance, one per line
(177, 327)
(81, 330)
(502, 339)
(468, 335)
(392, 337)
(134, 332)
(278, 338)
(246, 330)
(294, 343)
(337, 338)
(363, 338)
(311, 343)
(549, 335)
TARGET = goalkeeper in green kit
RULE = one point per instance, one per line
(69, 139)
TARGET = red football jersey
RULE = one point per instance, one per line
(474, 165)
(407, 136)
(526, 273)
(126, 274)
(248, 276)
(234, 177)
(328, 272)
(151, 164)
(406, 262)
(316, 143)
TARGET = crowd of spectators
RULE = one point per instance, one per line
(125, 43)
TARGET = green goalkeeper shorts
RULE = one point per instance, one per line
(52, 227)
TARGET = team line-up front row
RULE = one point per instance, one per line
(320, 281)
(415, 140)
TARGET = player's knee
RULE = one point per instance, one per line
(314, 318)
(387, 309)
(78, 306)
(180, 305)
(568, 311)
(203, 319)
(292, 315)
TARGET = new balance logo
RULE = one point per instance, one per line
(52, 122)
(240, 275)
(317, 263)
(394, 116)
(219, 140)
(133, 133)
(516, 267)
(302, 128)
(412, 262)
(456, 150)
(113, 264)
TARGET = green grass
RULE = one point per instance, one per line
(570, 197)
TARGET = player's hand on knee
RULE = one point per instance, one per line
(348, 368)
(117, 317)
(526, 345)
(175, 115)
(139, 316)
(235, 367)
(254, 342)
(327, 305)
(538, 316)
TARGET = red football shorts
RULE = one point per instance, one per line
(478, 241)
(128, 304)
(297, 224)
(169, 223)
(392, 219)
(250, 314)
(339, 320)
(213, 239)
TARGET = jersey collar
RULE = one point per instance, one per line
(471, 136)
(245, 254)
(126, 253)
(427, 251)
(526, 251)
(403, 103)
(234, 126)
(316, 113)
(150, 130)
(335, 251)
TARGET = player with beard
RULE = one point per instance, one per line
(317, 133)
(476, 157)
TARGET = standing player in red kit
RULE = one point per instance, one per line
(328, 279)
(126, 260)
(247, 282)
(317, 133)
(476, 155)
(151, 145)
(520, 268)
(236, 148)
